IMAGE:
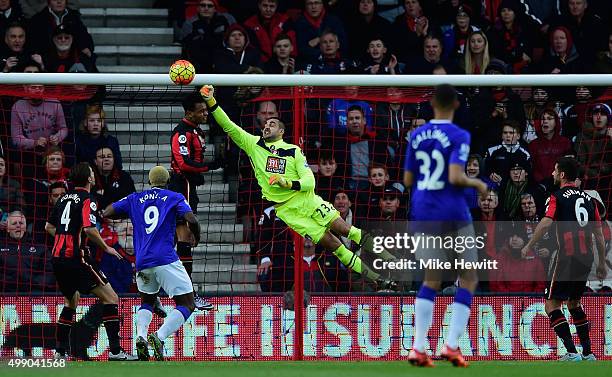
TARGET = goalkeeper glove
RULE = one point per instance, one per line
(207, 92)
(276, 179)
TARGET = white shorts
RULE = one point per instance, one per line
(173, 278)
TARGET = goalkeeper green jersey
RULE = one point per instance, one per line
(267, 159)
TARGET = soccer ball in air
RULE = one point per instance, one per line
(182, 72)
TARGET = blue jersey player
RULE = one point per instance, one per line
(435, 168)
(153, 214)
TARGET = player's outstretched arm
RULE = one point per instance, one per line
(539, 232)
(109, 212)
(243, 139)
(94, 235)
(50, 228)
(194, 226)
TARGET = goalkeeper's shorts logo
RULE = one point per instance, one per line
(276, 165)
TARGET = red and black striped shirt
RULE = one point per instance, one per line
(576, 215)
(72, 213)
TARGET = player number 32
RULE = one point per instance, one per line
(431, 179)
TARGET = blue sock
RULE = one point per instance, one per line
(184, 311)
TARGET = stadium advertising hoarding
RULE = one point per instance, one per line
(336, 328)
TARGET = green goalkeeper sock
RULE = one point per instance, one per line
(353, 262)
(355, 235)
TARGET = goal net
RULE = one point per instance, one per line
(354, 137)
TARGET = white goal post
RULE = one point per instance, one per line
(308, 80)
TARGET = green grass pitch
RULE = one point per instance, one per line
(317, 369)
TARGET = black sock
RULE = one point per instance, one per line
(183, 249)
(582, 328)
(561, 327)
(110, 318)
(64, 324)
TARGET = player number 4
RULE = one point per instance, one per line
(65, 219)
(431, 180)
(582, 215)
(151, 217)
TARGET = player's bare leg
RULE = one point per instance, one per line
(64, 325)
(582, 324)
(185, 305)
(110, 318)
(558, 322)
(143, 320)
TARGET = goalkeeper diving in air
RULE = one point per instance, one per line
(285, 179)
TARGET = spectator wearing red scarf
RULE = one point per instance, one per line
(266, 25)
(513, 37)
(311, 25)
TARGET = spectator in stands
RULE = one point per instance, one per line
(282, 60)
(119, 235)
(389, 205)
(64, 56)
(11, 196)
(518, 184)
(368, 199)
(548, 147)
(343, 203)
(475, 169)
(330, 60)
(492, 108)
(562, 57)
(44, 23)
(36, 124)
(266, 26)
(15, 51)
(112, 183)
(364, 27)
(502, 157)
(378, 62)
(603, 64)
(22, 261)
(514, 36)
(431, 57)
(93, 135)
(237, 55)
(57, 189)
(203, 34)
(327, 179)
(594, 150)
(275, 252)
(531, 216)
(9, 13)
(539, 101)
(337, 110)
(577, 112)
(457, 37)
(487, 222)
(395, 120)
(586, 28)
(410, 29)
(36, 186)
(446, 12)
(310, 26)
(358, 149)
(476, 58)
(517, 274)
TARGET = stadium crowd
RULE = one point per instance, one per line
(355, 146)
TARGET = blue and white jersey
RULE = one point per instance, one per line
(431, 149)
(153, 213)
